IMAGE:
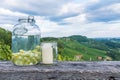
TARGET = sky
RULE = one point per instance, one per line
(62, 18)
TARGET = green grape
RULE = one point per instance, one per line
(21, 51)
(20, 57)
(35, 61)
(18, 62)
(30, 57)
(37, 48)
(28, 62)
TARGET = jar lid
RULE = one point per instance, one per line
(29, 19)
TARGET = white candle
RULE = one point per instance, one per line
(47, 53)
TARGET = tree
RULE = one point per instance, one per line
(5, 36)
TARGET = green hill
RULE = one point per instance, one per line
(79, 47)
(69, 49)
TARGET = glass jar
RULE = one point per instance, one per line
(26, 42)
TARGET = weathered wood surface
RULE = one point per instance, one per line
(104, 70)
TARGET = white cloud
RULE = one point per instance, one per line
(44, 23)
(71, 8)
(48, 28)
(7, 26)
(11, 10)
(98, 29)
(115, 7)
(39, 7)
(77, 19)
(94, 1)
(101, 29)
(10, 17)
(10, 13)
(9, 3)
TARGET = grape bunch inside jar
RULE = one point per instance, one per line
(26, 42)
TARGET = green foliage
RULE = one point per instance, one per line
(5, 36)
(114, 53)
(5, 44)
(47, 39)
(79, 38)
(60, 58)
(74, 48)
(5, 52)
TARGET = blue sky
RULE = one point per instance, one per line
(58, 18)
